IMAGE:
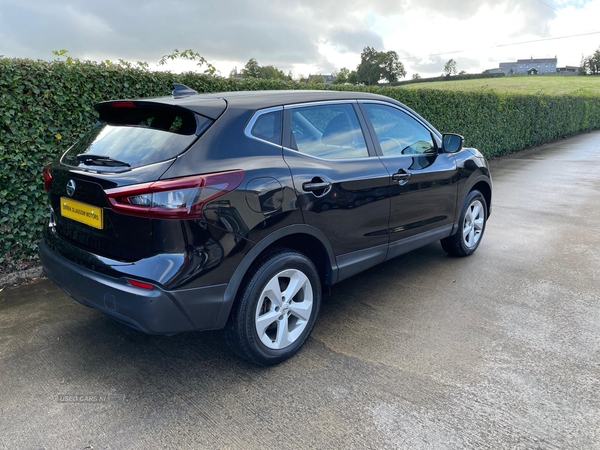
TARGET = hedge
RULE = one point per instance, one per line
(45, 106)
(464, 76)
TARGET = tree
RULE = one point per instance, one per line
(254, 70)
(368, 70)
(341, 77)
(251, 69)
(391, 67)
(463, 72)
(272, 73)
(450, 68)
(192, 56)
(353, 77)
(375, 66)
(416, 76)
(591, 64)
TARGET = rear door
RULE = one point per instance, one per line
(341, 184)
(423, 180)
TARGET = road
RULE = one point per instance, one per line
(498, 350)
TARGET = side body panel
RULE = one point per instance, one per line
(353, 210)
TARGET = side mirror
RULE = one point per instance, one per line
(452, 143)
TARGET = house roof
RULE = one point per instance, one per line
(536, 61)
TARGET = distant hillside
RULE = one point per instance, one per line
(551, 85)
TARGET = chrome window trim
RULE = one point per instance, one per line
(254, 118)
(319, 103)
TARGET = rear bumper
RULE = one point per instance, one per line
(154, 311)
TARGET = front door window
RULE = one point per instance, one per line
(398, 133)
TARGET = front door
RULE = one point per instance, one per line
(423, 180)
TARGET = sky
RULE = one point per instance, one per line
(305, 37)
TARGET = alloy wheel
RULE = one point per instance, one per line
(284, 309)
(473, 224)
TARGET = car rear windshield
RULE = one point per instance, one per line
(133, 137)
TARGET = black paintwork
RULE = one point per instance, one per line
(361, 217)
(428, 199)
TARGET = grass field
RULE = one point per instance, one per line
(551, 85)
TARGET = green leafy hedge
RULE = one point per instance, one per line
(45, 106)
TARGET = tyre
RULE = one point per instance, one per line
(471, 227)
(276, 309)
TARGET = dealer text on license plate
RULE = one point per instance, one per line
(81, 212)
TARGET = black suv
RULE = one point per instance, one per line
(231, 210)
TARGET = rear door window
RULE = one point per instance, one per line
(328, 131)
(127, 138)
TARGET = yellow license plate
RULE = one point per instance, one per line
(81, 212)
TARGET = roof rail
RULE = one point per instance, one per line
(181, 90)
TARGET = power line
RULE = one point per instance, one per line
(502, 45)
(546, 4)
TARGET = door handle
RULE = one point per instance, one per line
(402, 177)
(316, 186)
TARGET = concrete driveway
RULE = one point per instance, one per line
(499, 350)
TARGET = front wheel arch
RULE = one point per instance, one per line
(486, 191)
(483, 184)
(458, 244)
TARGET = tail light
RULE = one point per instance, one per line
(180, 198)
(47, 177)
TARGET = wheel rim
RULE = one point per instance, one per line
(473, 224)
(284, 309)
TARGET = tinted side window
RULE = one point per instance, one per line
(268, 127)
(328, 131)
(397, 132)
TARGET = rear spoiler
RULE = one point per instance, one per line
(211, 107)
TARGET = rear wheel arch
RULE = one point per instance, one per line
(304, 239)
(276, 308)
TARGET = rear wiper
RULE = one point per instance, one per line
(100, 160)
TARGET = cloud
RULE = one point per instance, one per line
(308, 35)
(350, 40)
(429, 66)
(536, 14)
(280, 33)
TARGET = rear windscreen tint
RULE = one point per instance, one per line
(137, 137)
